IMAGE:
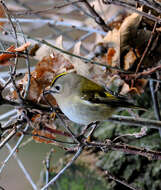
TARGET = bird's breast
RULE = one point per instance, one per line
(84, 112)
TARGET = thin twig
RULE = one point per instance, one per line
(80, 149)
(27, 175)
(66, 127)
(98, 19)
(155, 102)
(57, 23)
(141, 122)
(130, 7)
(30, 12)
(55, 141)
(128, 149)
(12, 77)
(123, 182)
(13, 150)
(147, 47)
(9, 136)
(27, 64)
(77, 56)
(10, 20)
(141, 74)
(26, 104)
(47, 165)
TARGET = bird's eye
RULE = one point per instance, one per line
(58, 87)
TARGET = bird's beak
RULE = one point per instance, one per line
(49, 92)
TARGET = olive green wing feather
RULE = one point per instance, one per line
(99, 95)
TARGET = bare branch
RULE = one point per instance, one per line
(80, 149)
(98, 19)
(141, 122)
(128, 149)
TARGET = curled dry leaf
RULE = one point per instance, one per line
(44, 128)
(40, 122)
(128, 30)
(35, 88)
(5, 57)
(34, 49)
(138, 87)
(23, 47)
(115, 15)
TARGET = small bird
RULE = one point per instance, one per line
(84, 101)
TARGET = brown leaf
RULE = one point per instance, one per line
(110, 54)
(2, 15)
(128, 30)
(129, 59)
(4, 57)
(23, 47)
(44, 134)
(43, 75)
(34, 50)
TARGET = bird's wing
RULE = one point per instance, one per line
(102, 97)
(99, 95)
(109, 99)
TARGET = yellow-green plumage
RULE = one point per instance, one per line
(83, 101)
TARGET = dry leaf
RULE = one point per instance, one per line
(4, 57)
(2, 15)
(42, 76)
(43, 51)
(77, 48)
(59, 42)
(34, 49)
(128, 30)
(138, 87)
(23, 47)
(112, 39)
(44, 134)
(110, 54)
(129, 59)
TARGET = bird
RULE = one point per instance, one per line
(84, 101)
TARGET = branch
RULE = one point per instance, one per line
(31, 12)
(131, 7)
(77, 56)
(27, 175)
(66, 167)
(141, 74)
(98, 19)
(9, 136)
(123, 182)
(128, 149)
(147, 47)
(141, 122)
(13, 150)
